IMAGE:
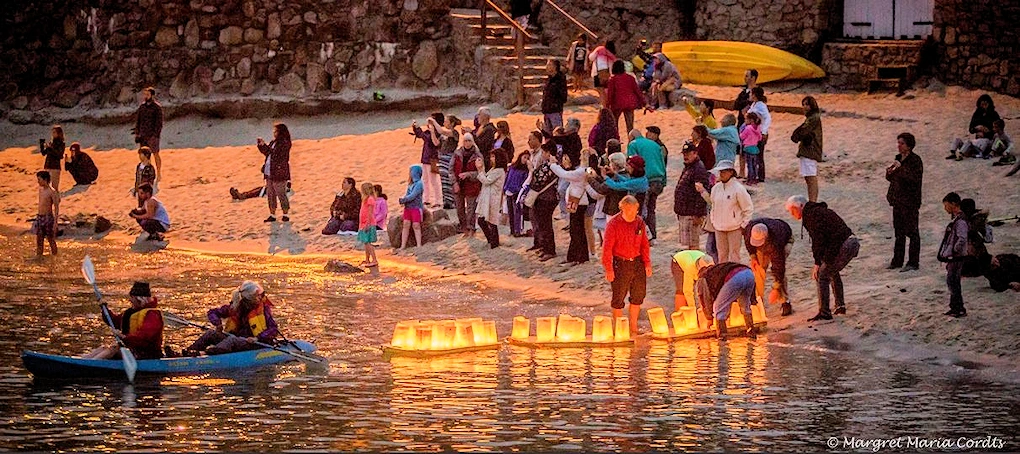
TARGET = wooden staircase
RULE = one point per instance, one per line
(496, 46)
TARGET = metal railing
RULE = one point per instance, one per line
(572, 19)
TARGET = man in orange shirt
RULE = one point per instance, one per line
(625, 257)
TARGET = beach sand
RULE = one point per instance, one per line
(897, 315)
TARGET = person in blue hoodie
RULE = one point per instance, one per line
(635, 182)
(413, 208)
(727, 139)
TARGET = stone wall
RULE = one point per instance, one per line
(851, 65)
(625, 22)
(977, 42)
(94, 53)
(797, 26)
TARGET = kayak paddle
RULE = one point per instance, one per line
(130, 363)
(310, 358)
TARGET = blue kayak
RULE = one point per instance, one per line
(47, 366)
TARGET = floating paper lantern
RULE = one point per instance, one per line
(478, 328)
(400, 334)
(465, 336)
(685, 320)
(423, 334)
(569, 329)
(602, 329)
(545, 329)
(521, 329)
(622, 329)
(491, 338)
(448, 334)
(758, 310)
(658, 319)
(736, 318)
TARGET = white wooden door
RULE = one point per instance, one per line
(914, 18)
(870, 19)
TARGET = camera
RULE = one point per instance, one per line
(42, 143)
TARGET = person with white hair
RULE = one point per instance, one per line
(833, 246)
(248, 318)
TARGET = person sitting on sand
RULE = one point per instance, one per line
(45, 224)
(626, 260)
(239, 325)
(1004, 273)
(256, 192)
(769, 242)
(151, 215)
(80, 166)
(140, 327)
(344, 211)
(981, 124)
(685, 267)
(718, 287)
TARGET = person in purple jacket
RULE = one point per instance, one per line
(512, 187)
(240, 324)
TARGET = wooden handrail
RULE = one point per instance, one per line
(505, 17)
(572, 19)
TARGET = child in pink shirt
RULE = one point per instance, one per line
(381, 208)
(750, 137)
(366, 224)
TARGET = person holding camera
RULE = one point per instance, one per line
(53, 151)
(149, 125)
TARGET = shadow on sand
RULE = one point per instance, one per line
(282, 236)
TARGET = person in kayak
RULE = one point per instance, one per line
(248, 318)
(140, 327)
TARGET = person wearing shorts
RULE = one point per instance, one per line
(413, 206)
(626, 260)
(808, 137)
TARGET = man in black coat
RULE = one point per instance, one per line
(905, 176)
(554, 96)
(688, 205)
(769, 242)
(833, 246)
(149, 126)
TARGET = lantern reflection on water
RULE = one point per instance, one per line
(622, 329)
(430, 337)
(545, 329)
(521, 329)
(658, 320)
(601, 329)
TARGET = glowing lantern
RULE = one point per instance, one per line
(601, 329)
(465, 336)
(658, 319)
(400, 334)
(685, 320)
(569, 329)
(758, 310)
(545, 329)
(423, 334)
(491, 338)
(622, 329)
(478, 328)
(522, 328)
(448, 333)
(736, 318)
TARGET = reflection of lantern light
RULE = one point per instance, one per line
(491, 338)
(601, 329)
(622, 329)
(400, 333)
(545, 329)
(522, 328)
(424, 335)
(465, 336)
(658, 319)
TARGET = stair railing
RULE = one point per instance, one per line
(572, 19)
(521, 34)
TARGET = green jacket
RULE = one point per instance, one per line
(809, 137)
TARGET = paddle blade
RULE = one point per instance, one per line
(88, 270)
(130, 363)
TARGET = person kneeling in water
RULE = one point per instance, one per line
(140, 327)
(248, 318)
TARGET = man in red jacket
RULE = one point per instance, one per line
(625, 257)
(140, 327)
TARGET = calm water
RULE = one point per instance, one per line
(757, 396)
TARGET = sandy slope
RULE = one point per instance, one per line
(886, 307)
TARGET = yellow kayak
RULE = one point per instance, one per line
(800, 67)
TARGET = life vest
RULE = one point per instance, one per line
(256, 320)
(131, 324)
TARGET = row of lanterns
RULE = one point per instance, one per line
(566, 328)
(444, 334)
(686, 320)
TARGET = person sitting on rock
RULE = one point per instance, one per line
(345, 209)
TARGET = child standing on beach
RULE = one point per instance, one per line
(45, 225)
(412, 206)
(750, 135)
(145, 172)
(382, 208)
(366, 224)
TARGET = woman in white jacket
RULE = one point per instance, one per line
(490, 199)
(576, 174)
(732, 210)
